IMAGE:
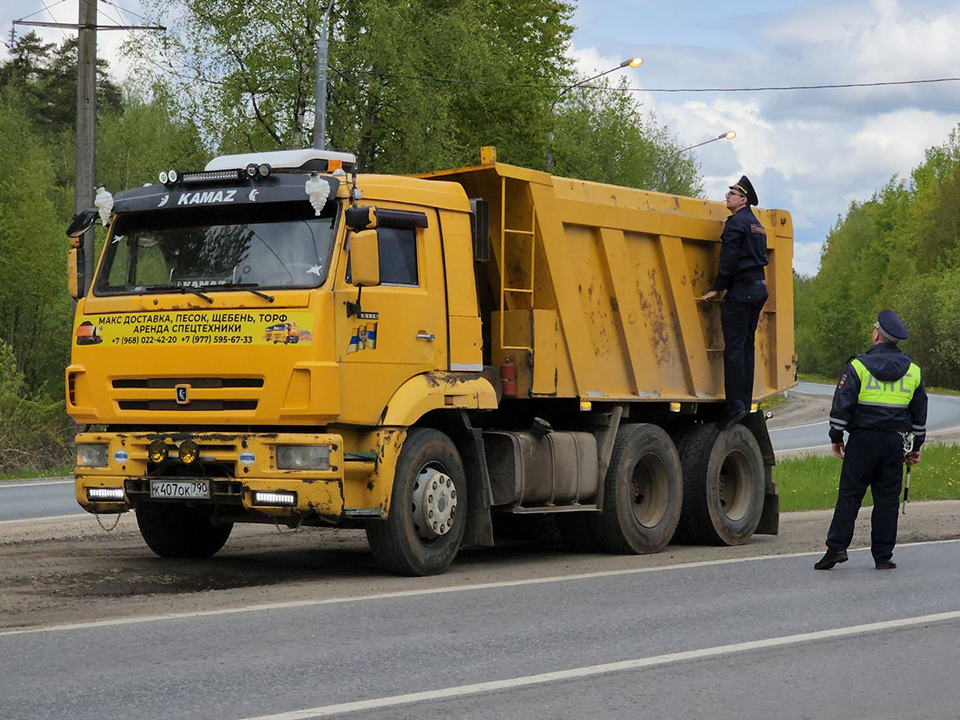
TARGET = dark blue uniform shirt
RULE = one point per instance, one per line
(887, 364)
(743, 252)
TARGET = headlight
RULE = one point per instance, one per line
(303, 457)
(92, 455)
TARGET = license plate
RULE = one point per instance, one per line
(180, 489)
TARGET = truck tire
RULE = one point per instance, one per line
(180, 531)
(723, 485)
(577, 532)
(428, 510)
(642, 492)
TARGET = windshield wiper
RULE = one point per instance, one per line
(182, 289)
(249, 287)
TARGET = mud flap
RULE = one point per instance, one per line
(770, 518)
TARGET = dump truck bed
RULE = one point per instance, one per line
(593, 290)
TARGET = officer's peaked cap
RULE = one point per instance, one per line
(743, 185)
(891, 327)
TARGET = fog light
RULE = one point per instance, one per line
(157, 452)
(252, 170)
(286, 499)
(105, 494)
(189, 452)
(264, 169)
(303, 457)
(92, 455)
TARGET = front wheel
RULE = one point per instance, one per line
(428, 510)
(179, 531)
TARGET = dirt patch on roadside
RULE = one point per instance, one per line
(69, 571)
(799, 409)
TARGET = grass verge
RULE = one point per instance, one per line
(29, 473)
(810, 483)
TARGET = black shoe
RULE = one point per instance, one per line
(731, 420)
(887, 565)
(831, 558)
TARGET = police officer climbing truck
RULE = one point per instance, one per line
(740, 283)
(881, 402)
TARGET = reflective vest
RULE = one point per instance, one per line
(893, 393)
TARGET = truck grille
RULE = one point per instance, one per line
(159, 394)
(194, 406)
(197, 382)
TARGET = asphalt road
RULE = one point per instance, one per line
(943, 412)
(43, 499)
(746, 638)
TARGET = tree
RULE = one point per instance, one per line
(43, 79)
(602, 135)
(387, 99)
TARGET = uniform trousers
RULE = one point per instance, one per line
(874, 459)
(739, 318)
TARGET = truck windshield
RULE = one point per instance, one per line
(271, 246)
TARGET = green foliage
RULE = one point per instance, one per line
(258, 94)
(901, 249)
(43, 78)
(35, 309)
(147, 137)
(603, 136)
(33, 432)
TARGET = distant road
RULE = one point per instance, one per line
(943, 414)
(23, 500)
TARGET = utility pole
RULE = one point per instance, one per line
(86, 160)
(320, 105)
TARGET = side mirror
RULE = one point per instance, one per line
(365, 259)
(82, 222)
(74, 268)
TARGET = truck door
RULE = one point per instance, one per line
(401, 330)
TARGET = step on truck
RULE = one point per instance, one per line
(477, 343)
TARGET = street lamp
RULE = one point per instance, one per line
(729, 135)
(633, 62)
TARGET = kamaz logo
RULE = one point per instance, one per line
(208, 196)
(182, 398)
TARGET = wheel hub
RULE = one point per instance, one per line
(434, 503)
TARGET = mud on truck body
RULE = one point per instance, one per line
(477, 342)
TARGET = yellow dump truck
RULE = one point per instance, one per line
(481, 342)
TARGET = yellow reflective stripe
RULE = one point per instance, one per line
(897, 393)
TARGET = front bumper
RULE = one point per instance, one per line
(235, 464)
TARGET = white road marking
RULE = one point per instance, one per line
(809, 447)
(797, 427)
(427, 591)
(7, 484)
(44, 518)
(607, 668)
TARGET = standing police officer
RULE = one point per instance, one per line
(879, 400)
(740, 281)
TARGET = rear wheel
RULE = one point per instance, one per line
(181, 531)
(428, 510)
(723, 485)
(642, 492)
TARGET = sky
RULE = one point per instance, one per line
(810, 152)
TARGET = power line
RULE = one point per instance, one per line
(766, 88)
